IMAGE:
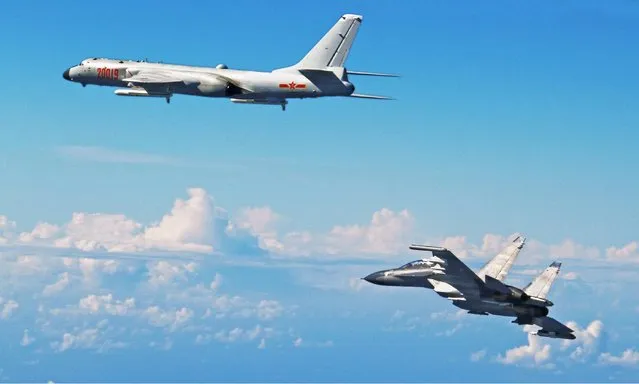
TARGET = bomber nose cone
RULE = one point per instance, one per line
(66, 75)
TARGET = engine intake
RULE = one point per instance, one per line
(531, 311)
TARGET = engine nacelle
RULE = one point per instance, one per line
(517, 294)
(531, 311)
(213, 87)
(511, 294)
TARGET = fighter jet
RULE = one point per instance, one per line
(484, 292)
(320, 73)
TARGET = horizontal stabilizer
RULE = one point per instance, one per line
(554, 335)
(549, 324)
(360, 96)
(358, 73)
(417, 247)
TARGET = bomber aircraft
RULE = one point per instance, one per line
(484, 292)
(320, 73)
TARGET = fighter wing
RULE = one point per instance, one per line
(455, 272)
(540, 286)
(499, 266)
(552, 328)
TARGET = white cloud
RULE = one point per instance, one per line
(166, 345)
(238, 307)
(42, 231)
(586, 340)
(83, 339)
(628, 252)
(238, 334)
(105, 303)
(6, 229)
(568, 249)
(189, 227)
(570, 276)
(269, 309)
(629, 357)
(386, 234)
(450, 332)
(8, 308)
(106, 155)
(26, 339)
(58, 286)
(88, 338)
(196, 225)
(448, 315)
(534, 353)
(298, 342)
(537, 353)
(262, 344)
(216, 283)
(260, 222)
(99, 232)
(476, 356)
(170, 319)
(166, 272)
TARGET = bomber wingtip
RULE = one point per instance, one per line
(556, 264)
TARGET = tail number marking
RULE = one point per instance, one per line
(108, 73)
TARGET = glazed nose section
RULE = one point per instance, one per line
(375, 278)
(350, 88)
(66, 76)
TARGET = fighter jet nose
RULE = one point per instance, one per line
(66, 75)
(373, 278)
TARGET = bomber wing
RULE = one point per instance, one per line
(455, 272)
(146, 78)
(499, 266)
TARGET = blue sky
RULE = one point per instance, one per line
(510, 117)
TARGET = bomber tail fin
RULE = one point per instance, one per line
(333, 49)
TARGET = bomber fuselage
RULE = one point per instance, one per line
(204, 81)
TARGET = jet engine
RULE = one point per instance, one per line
(517, 294)
(218, 87)
(529, 312)
(511, 294)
